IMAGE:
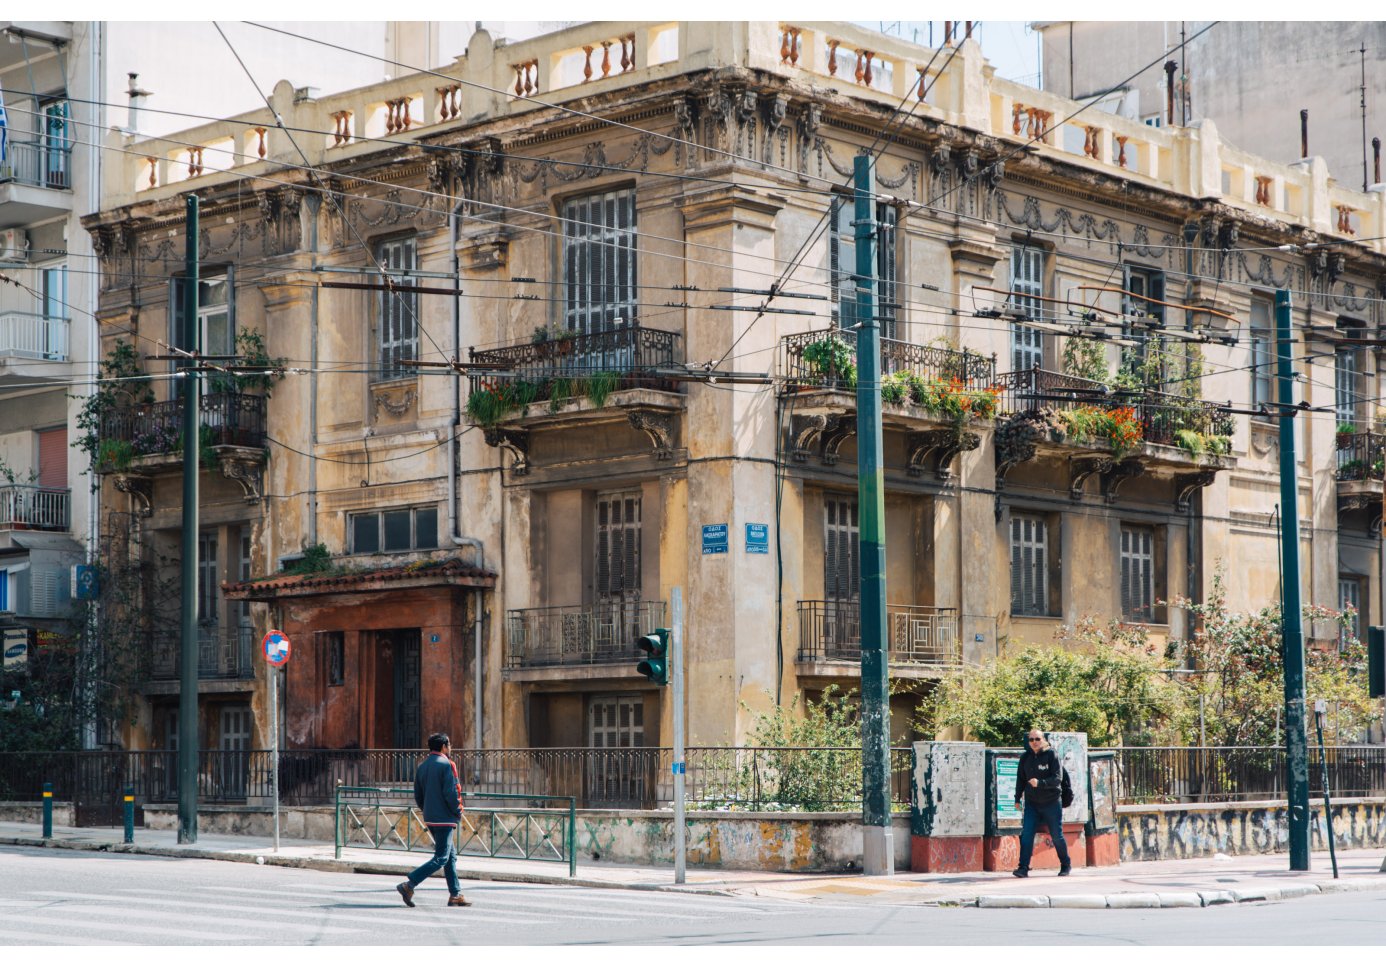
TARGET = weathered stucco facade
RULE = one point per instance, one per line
(575, 245)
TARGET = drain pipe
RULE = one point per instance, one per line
(453, 536)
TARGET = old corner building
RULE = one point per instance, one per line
(583, 218)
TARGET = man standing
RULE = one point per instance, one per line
(1043, 783)
(438, 792)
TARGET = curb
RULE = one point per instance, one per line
(1169, 899)
(335, 866)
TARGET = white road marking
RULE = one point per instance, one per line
(31, 937)
(147, 930)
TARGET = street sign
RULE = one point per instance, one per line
(16, 648)
(715, 539)
(84, 583)
(276, 646)
(757, 539)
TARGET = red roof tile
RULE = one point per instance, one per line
(434, 572)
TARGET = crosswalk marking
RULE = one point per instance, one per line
(33, 937)
(161, 930)
(165, 915)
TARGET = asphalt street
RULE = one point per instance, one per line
(79, 898)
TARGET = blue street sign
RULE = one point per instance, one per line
(715, 539)
(757, 539)
(678, 768)
(84, 580)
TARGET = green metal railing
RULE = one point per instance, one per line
(386, 818)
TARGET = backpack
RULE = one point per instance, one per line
(1065, 791)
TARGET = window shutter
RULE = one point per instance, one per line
(618, 546)
(1017, 567)
(885, 270)
(603, 549)
(1126, 604)
(231, 307)
(835, 262)
(842, 558)
(52, 447)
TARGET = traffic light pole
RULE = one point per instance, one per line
(676, 680)
(190, 390)
(878, 848)
(1296, 738)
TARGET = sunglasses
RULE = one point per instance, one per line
(1036, 739)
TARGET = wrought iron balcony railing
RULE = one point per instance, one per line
(578, 635)
(232, 419)
(39, 508)
(46, 165)
(1028, 391)
(632, 351)
(32, 336)
(918, 635)
(1361, 457)
(818, 360)
(221, 654)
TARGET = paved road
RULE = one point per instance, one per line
(60, 898)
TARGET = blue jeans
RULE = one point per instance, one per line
(444, 856)
(1052, 816)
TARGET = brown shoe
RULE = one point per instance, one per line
(457, 900)
(406, 891)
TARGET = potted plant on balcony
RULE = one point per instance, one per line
(831, 361)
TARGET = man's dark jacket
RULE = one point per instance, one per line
(438, 791)
(1045, 767)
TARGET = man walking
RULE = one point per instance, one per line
(1043, 783)
(438, 792)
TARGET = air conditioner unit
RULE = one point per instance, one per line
(14, 245)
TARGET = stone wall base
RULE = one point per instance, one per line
(945, 855)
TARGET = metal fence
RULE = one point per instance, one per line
(46, 164)
(808, 360)
(742, 778)
(629, 350)
(231, 419)
(919, 635)
(1361, 457)
(567, 635)
(40, 508)
(221, 654)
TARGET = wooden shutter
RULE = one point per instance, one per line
(841, 550)
(1029, 565)
(1137, 573)
(617, 545)
(886, 310)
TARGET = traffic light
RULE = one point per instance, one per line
(655, 665)
(1376, 661)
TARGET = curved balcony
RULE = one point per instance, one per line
(1361, 471)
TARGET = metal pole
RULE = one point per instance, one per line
(274, 747)
(129, 815)
(47, 811)
(1319, 705)
(676, 675)
(1296, 740)
(191, 340)
(878, 852)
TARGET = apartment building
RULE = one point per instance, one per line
(590, 222)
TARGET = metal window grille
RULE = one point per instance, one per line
(1137, 574)
(617, 565)
(397, 322)
(841, 550)
(599, 261)
(1027, 280)
(1262, 340)
(842, 265)
(1029, 565)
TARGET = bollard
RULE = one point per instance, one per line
(47, 811)
(129, 815)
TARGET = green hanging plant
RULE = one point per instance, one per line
(602, 385)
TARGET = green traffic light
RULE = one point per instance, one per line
(655, 665)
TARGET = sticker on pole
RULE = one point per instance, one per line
(276, 646)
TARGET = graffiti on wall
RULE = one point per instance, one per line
(1100, 770)
(1176, 834)
(949, 789)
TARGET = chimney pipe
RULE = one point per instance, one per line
(947, 33)
(137, 96)
(1376, 160)
(1170, 68)
(1304, 133)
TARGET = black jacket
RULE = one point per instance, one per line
(1045, 767)
(438, 791)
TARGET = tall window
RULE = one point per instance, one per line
(207, 586)
(841, 550)
(57, 143)
(216, 323)
(1137, 573)
(1027, 282)
(1347, 372)
(397, 320)
(1143, 285)
(53, 299)
(1350, 597)
(243, 572)
(842, 263)
(1262, 357)
(599, 261)
(1029, 565)
(617, 547)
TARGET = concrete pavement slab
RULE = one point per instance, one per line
(1133, 900)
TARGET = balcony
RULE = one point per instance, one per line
(1109, 432)
(35, 508)
(150, 432)
(222, 655)
(563, 379)
(35, 183)
(1361, 470)
(30, 336)
(930, 393)
(920, 638)
(583, 641)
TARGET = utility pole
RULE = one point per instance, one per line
(190, 391)
(878, 854)
(1296, 739)
(676, 670)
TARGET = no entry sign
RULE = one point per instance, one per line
(276, 646)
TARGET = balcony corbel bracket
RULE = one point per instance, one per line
(805, 431)
(1186, 485)
(833, 438)
(1358, 502)
(140, 488)
(250, 475)
(514, 442)
(1374, 525)
(1113, 479)
(944, 445)
(659, 427)
(1080, 468)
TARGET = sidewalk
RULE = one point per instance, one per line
(1174, 883)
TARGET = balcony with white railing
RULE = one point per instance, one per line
(35, 182)
(31, 336)
(24, 508)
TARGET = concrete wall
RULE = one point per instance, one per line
(14, 812)
(1180, 831)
